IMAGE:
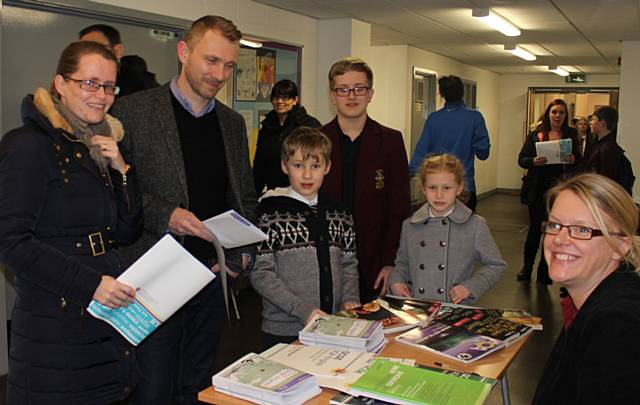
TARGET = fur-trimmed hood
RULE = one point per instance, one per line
(45, 106)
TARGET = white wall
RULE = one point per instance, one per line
(512, 97)
(629, 102)
(252, 19)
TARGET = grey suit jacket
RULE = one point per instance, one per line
(152, 145)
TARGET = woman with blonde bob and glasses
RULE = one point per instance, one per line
(592, 249)
(66, 203)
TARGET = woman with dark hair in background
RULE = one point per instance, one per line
(66, 203)
(287, 115)
(540, 178)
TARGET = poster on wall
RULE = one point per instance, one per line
(247, 115)
(266, 75)
(246, 75)
(262, 114)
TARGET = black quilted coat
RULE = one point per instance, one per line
(52, 198)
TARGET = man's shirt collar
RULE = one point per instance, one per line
(185, 103)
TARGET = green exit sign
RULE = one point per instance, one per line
(576, 78)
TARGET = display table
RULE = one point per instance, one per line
(494, 366)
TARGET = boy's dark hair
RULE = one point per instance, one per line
(284, 88)
(608, 115)
(451, 88)
(310, 141)
(112, 34)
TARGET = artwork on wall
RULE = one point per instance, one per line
(246, 75)
(266, 75)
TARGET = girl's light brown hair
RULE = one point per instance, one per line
(444, 162)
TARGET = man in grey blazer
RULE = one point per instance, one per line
(191, 155)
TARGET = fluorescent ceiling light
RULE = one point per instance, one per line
(496, 22)
(558, 70)
(250, 43)
(520, 52)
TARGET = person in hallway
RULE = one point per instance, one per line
(604, 156)
(444, 241)
(67, 200)
(287, 115)
(540, 177)
(193, 163)
(454, 129)
(308, 265)
(583, 135)
(592, 249)
(369, 173)
(105, 35)
(134, 76)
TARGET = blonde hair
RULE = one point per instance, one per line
(211, 23)
(612, 208)
(444, 162)
(311, 142)
(349, 64)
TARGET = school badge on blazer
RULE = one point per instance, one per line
(379, 179)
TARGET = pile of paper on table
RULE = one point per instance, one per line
(263, 381)
(401, 384)
(347, 333)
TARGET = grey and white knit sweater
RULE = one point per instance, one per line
(287, 271)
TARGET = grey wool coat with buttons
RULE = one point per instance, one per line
(436, 254)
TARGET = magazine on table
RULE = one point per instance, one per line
(333, 368)
(164, 279)
(264, 381)
(396, 315)
(402, 384)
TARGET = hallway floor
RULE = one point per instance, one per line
(507, 219)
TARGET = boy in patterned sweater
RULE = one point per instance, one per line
(308, 263)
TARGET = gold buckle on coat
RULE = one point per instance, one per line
(97, 245)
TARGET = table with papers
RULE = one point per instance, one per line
(494, 366)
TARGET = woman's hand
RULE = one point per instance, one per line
(539, 161)
(459, 293)
(114, 294)
(109, 149)
(401, 289)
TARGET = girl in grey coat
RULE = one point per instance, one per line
(443, 242)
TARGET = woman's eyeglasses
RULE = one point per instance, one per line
(93, 86)
(345, 91)
(575, 231)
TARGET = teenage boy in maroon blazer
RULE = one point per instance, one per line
(369, 173)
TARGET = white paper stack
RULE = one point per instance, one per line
(263, 381)
(336, 332)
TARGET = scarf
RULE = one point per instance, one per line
(84, 132)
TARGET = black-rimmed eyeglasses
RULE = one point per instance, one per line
(575, 231)
(93, 86)
(345, 91)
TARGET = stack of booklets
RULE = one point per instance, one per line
(264, 381)
(333, 368)
(401, 384)
(465, 334)
(517, 315)
(336, 332)
(396, 314)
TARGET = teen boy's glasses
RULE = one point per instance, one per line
(575, 231)
(345, 91)
(93, 86)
